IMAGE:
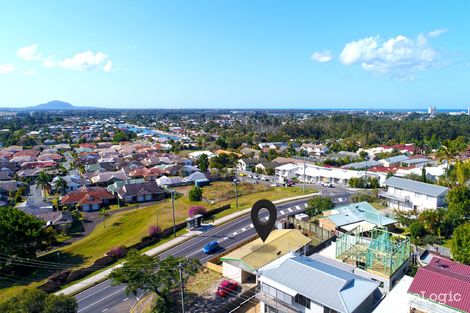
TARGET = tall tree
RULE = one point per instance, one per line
(460, 245)
(21, 234)
(43, 181)
(143, 272)
(203, 162)
(60, 185)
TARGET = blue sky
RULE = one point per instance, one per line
(236, 54)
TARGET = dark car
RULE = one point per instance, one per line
(211, 247)
(226, 287)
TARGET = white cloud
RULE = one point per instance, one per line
(322, 56)
(108, 67)
(437, 32)
(7, 68)
(400, 57)
(29, 53)
(86, 61)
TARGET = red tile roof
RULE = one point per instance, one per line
(86, 195)
(444, 281)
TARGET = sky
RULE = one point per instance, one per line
(236, 54)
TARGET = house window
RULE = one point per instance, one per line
(328, 310)
(302, 300)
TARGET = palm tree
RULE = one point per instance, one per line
(104, 215)
(61, 185)
(43, 181)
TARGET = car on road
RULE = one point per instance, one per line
(328, 185)
(226, 287)
(211, 247)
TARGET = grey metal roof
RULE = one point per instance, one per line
(363, 164)
(397, 158)
(322, 283)
(416, 186)
(417, 160)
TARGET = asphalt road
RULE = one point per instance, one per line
(112, 299)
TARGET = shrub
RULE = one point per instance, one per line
(154, 231)
(196, 209)
(195, 194)
(117, 252)
(318, 205)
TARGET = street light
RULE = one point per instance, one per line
(235, 182)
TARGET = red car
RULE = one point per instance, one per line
(226, 287)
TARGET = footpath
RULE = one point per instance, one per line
(96, 278)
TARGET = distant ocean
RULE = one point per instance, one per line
(385, 110)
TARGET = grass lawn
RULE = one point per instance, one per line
(201, 282)
(127, 228)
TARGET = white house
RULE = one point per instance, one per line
(286, 172)
(314, 149)
(407, 194)
(197, 154)
(315, 174)
(295, 283)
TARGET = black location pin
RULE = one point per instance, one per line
(263, 228)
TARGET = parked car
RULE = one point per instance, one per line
(328, 185)
(226, 287)
(290, 183)
(211, 247)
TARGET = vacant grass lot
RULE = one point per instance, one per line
(127, 228)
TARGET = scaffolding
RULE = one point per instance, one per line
(377, 251)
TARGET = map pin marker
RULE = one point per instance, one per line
(263, 228)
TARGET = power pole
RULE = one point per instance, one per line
(180, 268)
(305, 181)
(173, 209)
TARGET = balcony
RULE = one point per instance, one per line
(387, 195)
(275, 303)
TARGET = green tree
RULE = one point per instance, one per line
(417, 230)
(203, 162)
(38, 301)
(120, 136)
(318, 205)
(146, 273)
(60, 304)
(21, 234)
(195, 194)
(43, 181)
(61, 185)
(104, 215)
(460, 244)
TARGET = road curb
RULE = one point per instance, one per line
(226, 219)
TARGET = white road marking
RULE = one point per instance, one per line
(297, 207)
(305, 204)
(290, 210)
(282, 212)
(234, 233)
(93, 293)
(105, 310)
(110, 295)
(225, 238)
(251, 226)
(125, 299)
(243, 229)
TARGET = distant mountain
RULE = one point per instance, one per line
(55, 105)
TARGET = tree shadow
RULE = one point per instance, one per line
(36, 270)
